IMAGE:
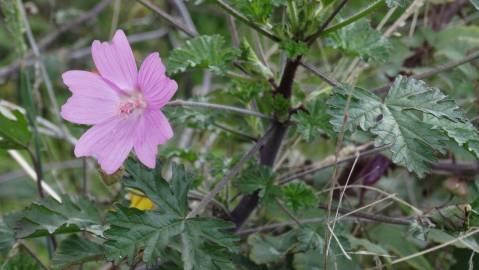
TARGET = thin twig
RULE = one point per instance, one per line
(287, 212)
(416, 210)
(432, 249)
(43, 70)
(325, 77)
(346, 214)
(52, 36)
(235, 170)
(407, 13)
(326, 23)
(173, 21)
(32, 254)
(235, 132)
(185, 103)
(368, 10)
(233, 12)
(434, 71)
(288, 178)
(33, 175)
(185, 14)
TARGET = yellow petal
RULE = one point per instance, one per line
(140, 202)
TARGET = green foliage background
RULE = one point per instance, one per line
(414, 187)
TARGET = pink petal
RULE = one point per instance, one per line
(156, 87)
(115, 61)
(152, 130)
(93, 100)
(110, 142)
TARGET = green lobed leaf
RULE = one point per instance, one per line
(76, 250)
(359, 39)
(169, 197)
(198, 254)
(313, 121)
(294, 48)
(257, 10)
(259, 177)
(48, 216)
(132, 230)
(299, 196)
(153, 232)
(204, 52)
(414, 119)
(310, 238)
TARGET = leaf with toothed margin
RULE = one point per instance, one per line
(416, 120)
(205, 243)
(48, 217)
(203, 52)
(76, 250)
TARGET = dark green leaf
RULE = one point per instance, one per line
(20, 261)
(414, 119)
(132, 229)
(48, 216)
(14, 131)
(7, 236)
(299, 196)
(169, 197)
(76, 250)
(258, 177)
(475, 3)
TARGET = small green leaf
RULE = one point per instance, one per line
(309, 238)
(14, 133)
(258, 177)
(359, 39)
(257, 10)
(48, 216)
(204, 52)
(294, 48)
(299, 196)
(75, 250)
(315, 119)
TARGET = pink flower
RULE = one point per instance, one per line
(122, 103)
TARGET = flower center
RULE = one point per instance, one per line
(131, 104)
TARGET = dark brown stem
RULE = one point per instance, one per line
(270, 150)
